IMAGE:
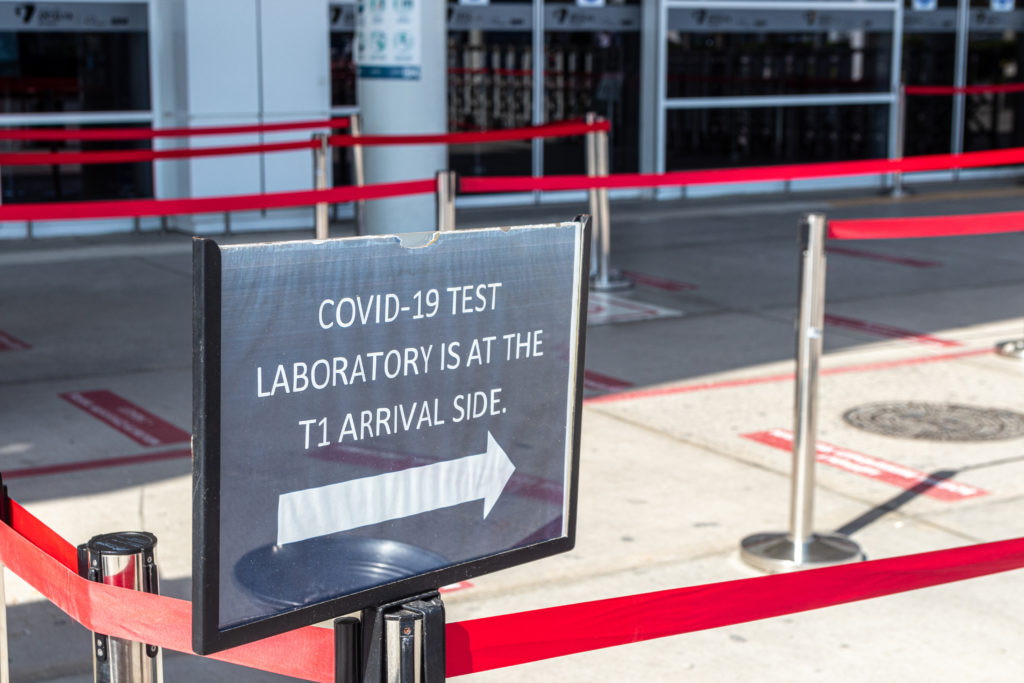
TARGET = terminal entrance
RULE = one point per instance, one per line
(591, 62)
(64, 61)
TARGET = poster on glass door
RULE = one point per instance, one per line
(388, 34)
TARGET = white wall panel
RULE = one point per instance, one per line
(295, 57)
(221, 58)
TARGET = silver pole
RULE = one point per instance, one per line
(590, 142)
(445, 194)
(126, 560)
(5, 653)
(801, 547)
(358, 172)
(808, 359)
(320, 218)
(901, 135)
(606, 280)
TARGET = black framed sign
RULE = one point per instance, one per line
(375, 417)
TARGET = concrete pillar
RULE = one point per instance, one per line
(402, 89)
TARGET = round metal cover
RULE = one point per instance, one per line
(936, 421)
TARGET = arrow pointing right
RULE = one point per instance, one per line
(347, 505)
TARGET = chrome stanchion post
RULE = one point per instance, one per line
(125, 559)
(606, 280)
(320, 183)
(5, 651)
(897, 189)
(590, 146)
(801, 547)
(358, 173)
(445, 195)
(1012, 348)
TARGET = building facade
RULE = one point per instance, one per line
(687, 84)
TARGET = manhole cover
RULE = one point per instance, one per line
(937, 421)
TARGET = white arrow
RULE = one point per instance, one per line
(360, 502)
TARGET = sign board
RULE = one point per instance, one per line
(1002, 5)
(924, 5)
(388, 35)
(376, 417)
(63, 17)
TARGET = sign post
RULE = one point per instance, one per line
(376, 417)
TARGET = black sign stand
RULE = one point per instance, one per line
(392, 642)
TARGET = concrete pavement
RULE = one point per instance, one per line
(673, 472)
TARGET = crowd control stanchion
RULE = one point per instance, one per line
(445, 200)
(604, 279)
(801, 547)
(590, 146)
(320, 218)
(5, 652)
(125, 559)
(1013, 348)
(355, 130)
(400, 642)
(897, 189)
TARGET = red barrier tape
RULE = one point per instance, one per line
(147, 155)
(306, 653)
(966, 90)
(123, 156)
(926, 226)
(490, 643)
(130, 208)
(932, 162)
(494, 642)
(549, 130)
(150, 133)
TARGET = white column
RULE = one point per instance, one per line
(402, 88)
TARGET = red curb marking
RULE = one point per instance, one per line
(9, 343)
(595, 381)
(63, 468)
(659, 282)
(871, 467)
(900, 260)
(137, 424)
(750, 381)
(887, 331)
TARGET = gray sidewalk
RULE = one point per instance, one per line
(680, 455)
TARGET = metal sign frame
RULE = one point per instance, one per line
(208, 635)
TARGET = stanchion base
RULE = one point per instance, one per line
(615, 282)
(1011, 349)
(777, 552)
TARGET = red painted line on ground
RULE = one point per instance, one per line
(659, 282)
(899, 260)
(64, 468)
(137, 424)
(9, 343)
(887, 331)
(598, 382)
(871, 467)
(769, 379)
